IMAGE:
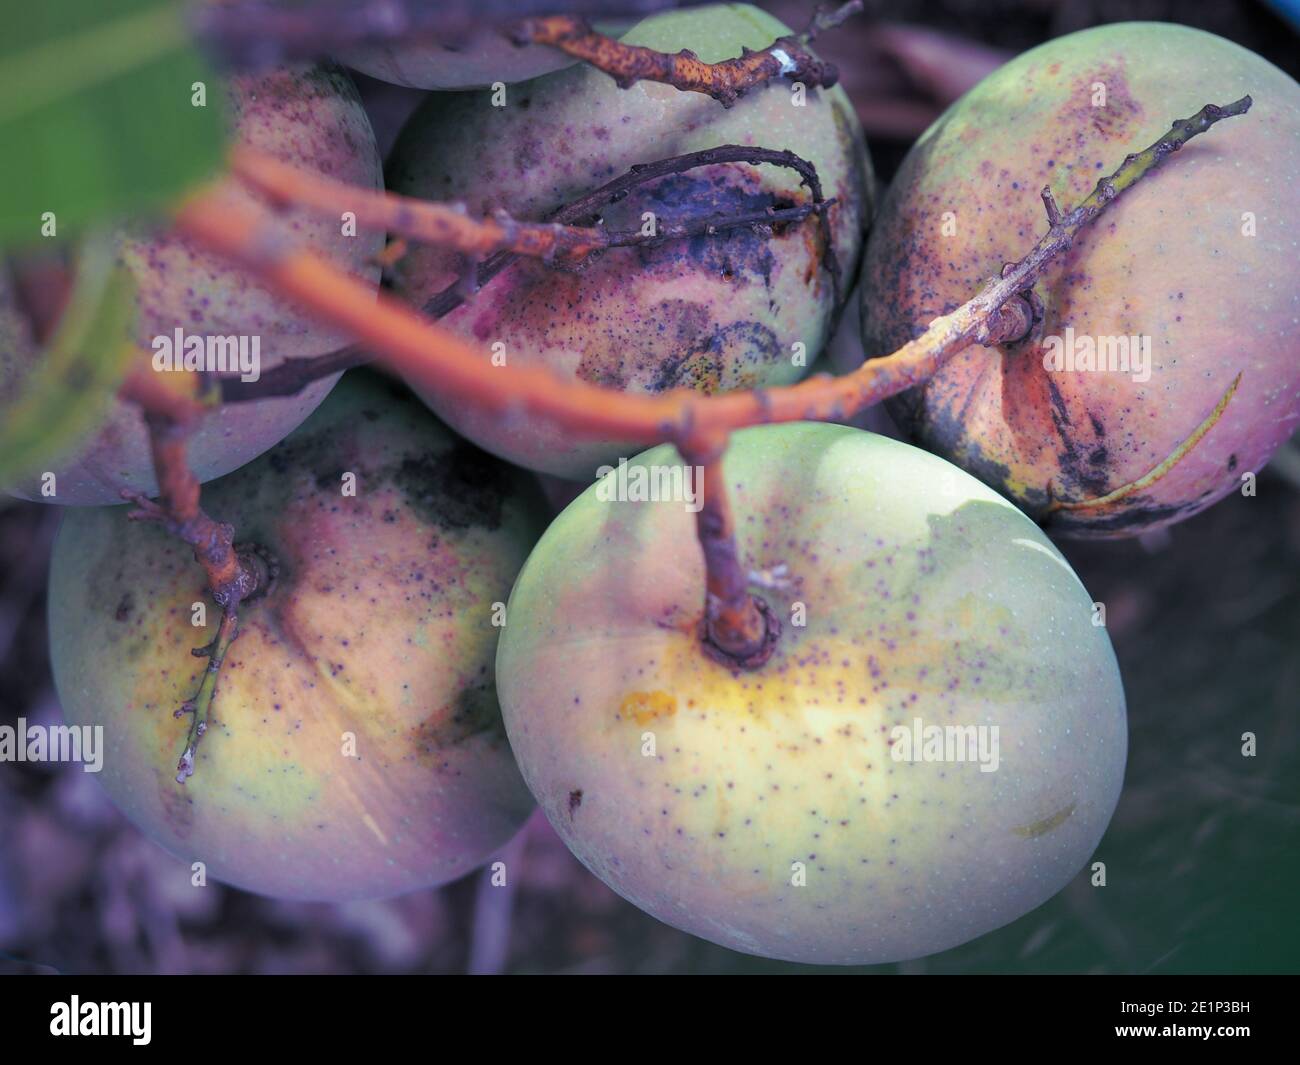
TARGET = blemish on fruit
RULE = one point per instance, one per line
(712, 193)
(175, 803)
(1040, 828)
(473, 712)
(644, 707)
(729, 358)
(455, 489)
(330, 479)
(1113, 121)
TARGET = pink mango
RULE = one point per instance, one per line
(1188, 280)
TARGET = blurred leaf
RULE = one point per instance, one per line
(95, 111)
(76, 378)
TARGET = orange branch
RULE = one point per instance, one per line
(451, 226)
(415, 348)
(446, 225)
(739, 625)
(725, 81)
(387, 210)
(153, 394)
(233, 574)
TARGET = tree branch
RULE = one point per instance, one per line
(290, 377)
(412, 346)
(276, 181)
(233, 574)
(726, 81)
(589, 206)
(737, 628)
(155, 394)
(451, 226)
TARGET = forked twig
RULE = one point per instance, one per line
(291, 376)
(414, 347)
(233, 574)
(451, 225)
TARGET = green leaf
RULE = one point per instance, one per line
(75, 380)
(96, 117)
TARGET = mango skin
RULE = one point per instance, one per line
(926, 595)
(485, 57)
(17, 346)
(713, 314)
(1167, 260)
(379, 625)
(310, 117)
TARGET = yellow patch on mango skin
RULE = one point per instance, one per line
(1040, 828)
(644, 707)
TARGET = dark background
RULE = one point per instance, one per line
(1203, 854)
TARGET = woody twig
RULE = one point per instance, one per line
(725, 81)
(493, 244)
(233, 573)
(411, 345)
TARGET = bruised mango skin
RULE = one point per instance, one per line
(736, 310)
(1169, 260)
(922, 594)
(379, 627)
(310, 117)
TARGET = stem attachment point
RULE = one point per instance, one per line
(728, 635)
